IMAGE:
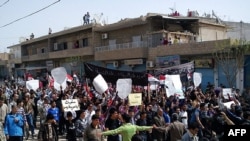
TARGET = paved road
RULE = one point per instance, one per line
(61, 138)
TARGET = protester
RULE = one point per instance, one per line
(207, 107)
(13, 127)
(70, 127)
(127, 130)
(93, 130)
(176, 129)
(191, 134)
(47, 130)
(81, 125)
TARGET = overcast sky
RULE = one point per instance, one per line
(20, 18)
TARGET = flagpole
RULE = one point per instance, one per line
(149, 94)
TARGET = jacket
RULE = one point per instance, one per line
(13, 128)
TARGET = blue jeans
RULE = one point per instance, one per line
(30, 123)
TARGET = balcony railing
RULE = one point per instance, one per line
(122, 46)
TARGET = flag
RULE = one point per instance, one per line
(87, 88)
(69, 78)
(76, 79)
(152, 78)
(162, 79)
(51, 81)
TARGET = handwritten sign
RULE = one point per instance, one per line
(135, 99)
(70, 105)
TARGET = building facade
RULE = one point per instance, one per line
(139, 44)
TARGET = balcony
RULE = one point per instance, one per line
(122, 51)
(25, 58)
(15, 60)
(86, 51)
(37, 57)
(195, 48)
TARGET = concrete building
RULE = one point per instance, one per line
(4, 72)
(138, 44)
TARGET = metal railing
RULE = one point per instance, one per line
(122, 46)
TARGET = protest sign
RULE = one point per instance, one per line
(197, 78)
(59, 74)
(124, 87)
(57, 85)
(226, 92)
(32, 84)
(70, 105)
(174, 86)
(135, 99)
(100, 84)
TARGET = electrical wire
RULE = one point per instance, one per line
(4, 3)
(30, 14)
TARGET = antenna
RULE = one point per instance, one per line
(218, 20)
(97, 18)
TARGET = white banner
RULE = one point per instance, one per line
(32, 84)
(187, 67)
(124, 87)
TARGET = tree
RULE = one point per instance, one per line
(231, 58)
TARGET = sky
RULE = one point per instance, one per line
(20, 18)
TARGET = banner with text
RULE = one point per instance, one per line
(70, 105)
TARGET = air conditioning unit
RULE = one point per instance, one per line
(55, 46)
(105, 36)
(150, 64)
(116, 64)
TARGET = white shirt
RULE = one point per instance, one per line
(89, 115)
(184, 118)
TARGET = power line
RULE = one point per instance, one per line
(4, 3)
(30, 14)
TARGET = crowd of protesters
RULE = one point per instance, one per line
(201, 115)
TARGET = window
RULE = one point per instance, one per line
(85, 42)
(62, 46)
(136, 41)
(65, 45)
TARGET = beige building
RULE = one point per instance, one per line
(130, 44)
